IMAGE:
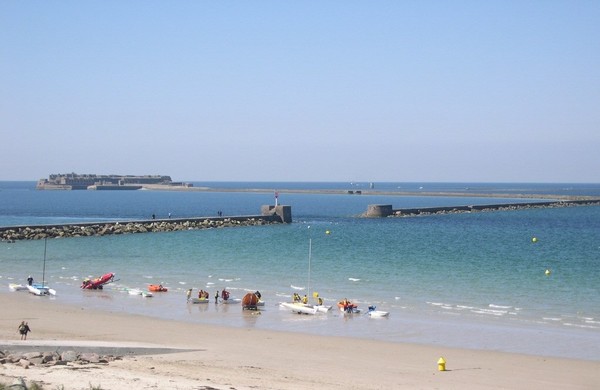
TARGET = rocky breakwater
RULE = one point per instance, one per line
(16, 233)
(54, 358)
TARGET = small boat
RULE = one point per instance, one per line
(348, 307)
(377, 313)
(17, 287)
(298, 307)
(199, 300)
(41, 289)
(97, 283)
(157, 288)
(251, 301)
(230, 301)
(226, 299)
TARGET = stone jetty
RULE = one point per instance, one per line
(270, 215)
(379, 211)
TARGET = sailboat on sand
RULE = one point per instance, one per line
(301, 307)
(41, 289)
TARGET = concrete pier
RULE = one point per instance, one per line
(270, 215)
(380, 211)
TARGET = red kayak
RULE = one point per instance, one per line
(97, 283)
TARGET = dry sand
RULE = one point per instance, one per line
(209, 357)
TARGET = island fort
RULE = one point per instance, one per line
(74, 181)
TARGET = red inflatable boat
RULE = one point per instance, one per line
(97, 283)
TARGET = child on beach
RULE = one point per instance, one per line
(23, 330)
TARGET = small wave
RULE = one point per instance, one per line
(490, 312)
(182, 283)
(148, 277)
(296, 287)
(225, 280)
(462, 307)
(209, 283)
(353, 279)
(397, 298)
(436, 303)
(499, 306)
(551, 319)
(590, 321)
(581, 326)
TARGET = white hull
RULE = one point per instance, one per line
(199, 300)
(378, 313)
(230, 301)
(41, 290)
(322, 308)
(299, 308)
(17, 287)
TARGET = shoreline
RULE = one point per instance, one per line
(234, 358)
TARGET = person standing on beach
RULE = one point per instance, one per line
(217, 297)
(23, 330)
(189, 294)
(30, 280)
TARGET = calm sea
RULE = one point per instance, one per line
(466, 280)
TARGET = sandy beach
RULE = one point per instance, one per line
(168, 354)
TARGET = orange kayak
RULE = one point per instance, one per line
(157, 288)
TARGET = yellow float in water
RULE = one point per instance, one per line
(547, 272)
(534, 239)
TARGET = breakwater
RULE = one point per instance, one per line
(379, 211)
(270, 215)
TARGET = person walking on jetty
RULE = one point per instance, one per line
(23, 330)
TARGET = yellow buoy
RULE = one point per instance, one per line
(534, 239)
(442, 364)
(547, 272)
(327, 232)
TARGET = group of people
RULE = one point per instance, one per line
(296, 297)
(224, 295)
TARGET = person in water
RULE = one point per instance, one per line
(23, 330)
(189, 294)
(217, 297)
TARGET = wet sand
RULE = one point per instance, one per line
(170, 354)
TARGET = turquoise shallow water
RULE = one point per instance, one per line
(467, 280)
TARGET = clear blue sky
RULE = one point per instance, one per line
(491, 91)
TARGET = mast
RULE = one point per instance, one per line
(44, 269)
(309, 256)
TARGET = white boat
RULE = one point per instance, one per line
(199, 300)
(323, 308)
(378, 313)
(373, 312)
(40, 289)
(298, 307)
(230, 301)
(17, 287)
(306, 308)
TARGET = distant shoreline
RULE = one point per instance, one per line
(372, 192)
